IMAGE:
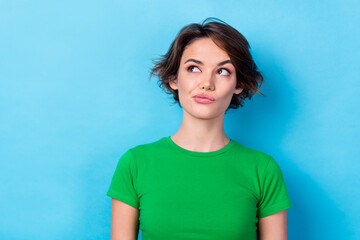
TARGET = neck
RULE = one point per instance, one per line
(201, 135)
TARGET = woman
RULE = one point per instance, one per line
(198, 183)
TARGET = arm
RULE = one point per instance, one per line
(124, 221)
(273, 227)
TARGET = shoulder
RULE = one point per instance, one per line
(253, 156)
(148, 148)
(263, 163)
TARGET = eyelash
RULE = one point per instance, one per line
(218, 71)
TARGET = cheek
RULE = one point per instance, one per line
(186, 82)
(229, 96)
(227, 88)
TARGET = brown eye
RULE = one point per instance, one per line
(191, 68)
(227, 72)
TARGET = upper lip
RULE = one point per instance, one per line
(205, 96)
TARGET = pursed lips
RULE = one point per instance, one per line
(204, 96)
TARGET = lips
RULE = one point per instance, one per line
(205, 97)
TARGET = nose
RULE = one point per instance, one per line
(208, 81)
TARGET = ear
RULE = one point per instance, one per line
(238, 90)
(173, 84)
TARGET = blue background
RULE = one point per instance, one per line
(75, 95)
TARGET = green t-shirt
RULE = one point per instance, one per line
(183, 194)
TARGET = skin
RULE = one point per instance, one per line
(273, 227)
(124, 221)
(202, 127)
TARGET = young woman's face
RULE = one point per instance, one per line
(205, 69)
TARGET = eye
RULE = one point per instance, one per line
(191, 67)
(227, 72)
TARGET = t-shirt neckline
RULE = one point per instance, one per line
(199, 154)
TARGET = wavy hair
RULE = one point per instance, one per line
(226, 38)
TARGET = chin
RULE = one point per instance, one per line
(204, 113)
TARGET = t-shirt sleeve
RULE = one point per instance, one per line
(122, 184)
(274, 195)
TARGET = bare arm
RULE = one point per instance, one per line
(273, 227)
(124, 221)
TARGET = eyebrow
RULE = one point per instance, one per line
(201, 63)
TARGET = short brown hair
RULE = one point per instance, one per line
(225, 37)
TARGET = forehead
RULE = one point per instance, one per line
(204, 49)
